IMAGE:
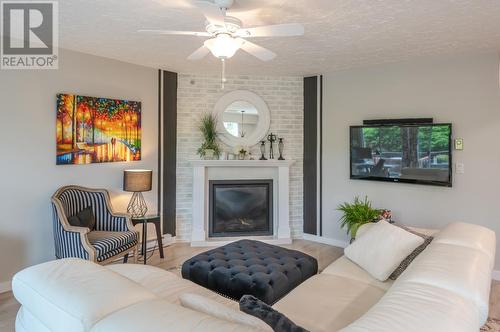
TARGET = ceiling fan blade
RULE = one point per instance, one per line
(279, 30)
(257, 51)
(199, 53)
(212, 12)
(173, 32)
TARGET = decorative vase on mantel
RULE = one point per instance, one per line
(209, 154)
(263, 150)
(242, 155)
(281, 148)
(241, 152)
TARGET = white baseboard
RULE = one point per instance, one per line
(495, 275)
(325, 240)
(167, 240)
(5, 286)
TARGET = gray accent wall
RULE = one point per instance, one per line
(463, 90)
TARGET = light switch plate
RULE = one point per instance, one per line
(459, 144)
(459, 168)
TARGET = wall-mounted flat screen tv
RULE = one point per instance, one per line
(419, 153)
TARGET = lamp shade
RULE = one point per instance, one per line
(137, 180)
(223, 46)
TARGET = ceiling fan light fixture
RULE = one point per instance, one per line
(223, 46)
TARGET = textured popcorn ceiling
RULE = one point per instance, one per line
(339, 33)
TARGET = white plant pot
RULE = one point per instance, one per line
(209, 154)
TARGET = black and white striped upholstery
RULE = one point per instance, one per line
(75, 200)
(110, 244)
(67, 244)
(113, 234)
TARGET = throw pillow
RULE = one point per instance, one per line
(212, 308)
(382, 248)
(407, 261)
(363, 229)
(278, 322)
(84, 218)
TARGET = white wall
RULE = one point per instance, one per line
(28, 173)
(199, 93)
(462, 90)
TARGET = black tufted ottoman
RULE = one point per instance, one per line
(250, 267)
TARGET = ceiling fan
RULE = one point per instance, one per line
(226, 34)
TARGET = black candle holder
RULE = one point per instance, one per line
(271, 138)
(263, 150)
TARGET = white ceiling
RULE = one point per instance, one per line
(339, 33)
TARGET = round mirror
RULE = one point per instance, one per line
(243, 118)
(240, 119)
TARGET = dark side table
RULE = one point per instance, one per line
(144, 221)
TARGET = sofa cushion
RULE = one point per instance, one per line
(215, 309)
(344, 267)
(382, 248)
(160, 315)
(470, 236)
(416, 307)
(326, 302)
(461, 270)
(167, 285)
(250, 267)
(72, 294)
(108, 244)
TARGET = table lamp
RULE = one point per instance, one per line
(137, 181)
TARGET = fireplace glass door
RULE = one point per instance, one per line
(240, 208)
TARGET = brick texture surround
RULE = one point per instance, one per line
(198, 94)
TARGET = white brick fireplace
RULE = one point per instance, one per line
(206, 170)
(198, 94)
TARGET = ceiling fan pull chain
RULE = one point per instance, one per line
(223, 79)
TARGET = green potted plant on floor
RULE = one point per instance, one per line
(356, 214)
(209, 149)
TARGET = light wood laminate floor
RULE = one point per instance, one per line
(177, 253)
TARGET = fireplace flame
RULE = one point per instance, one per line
(244, 222)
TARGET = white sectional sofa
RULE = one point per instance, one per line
(446, 288)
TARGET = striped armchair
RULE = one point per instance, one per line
(113, 236)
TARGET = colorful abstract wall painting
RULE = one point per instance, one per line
(97, 130)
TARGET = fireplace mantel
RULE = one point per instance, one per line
(205, 170)
(242, 163)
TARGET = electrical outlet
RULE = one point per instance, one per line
(459, 168)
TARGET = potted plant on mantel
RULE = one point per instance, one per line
(356, 214)
(209, 149)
